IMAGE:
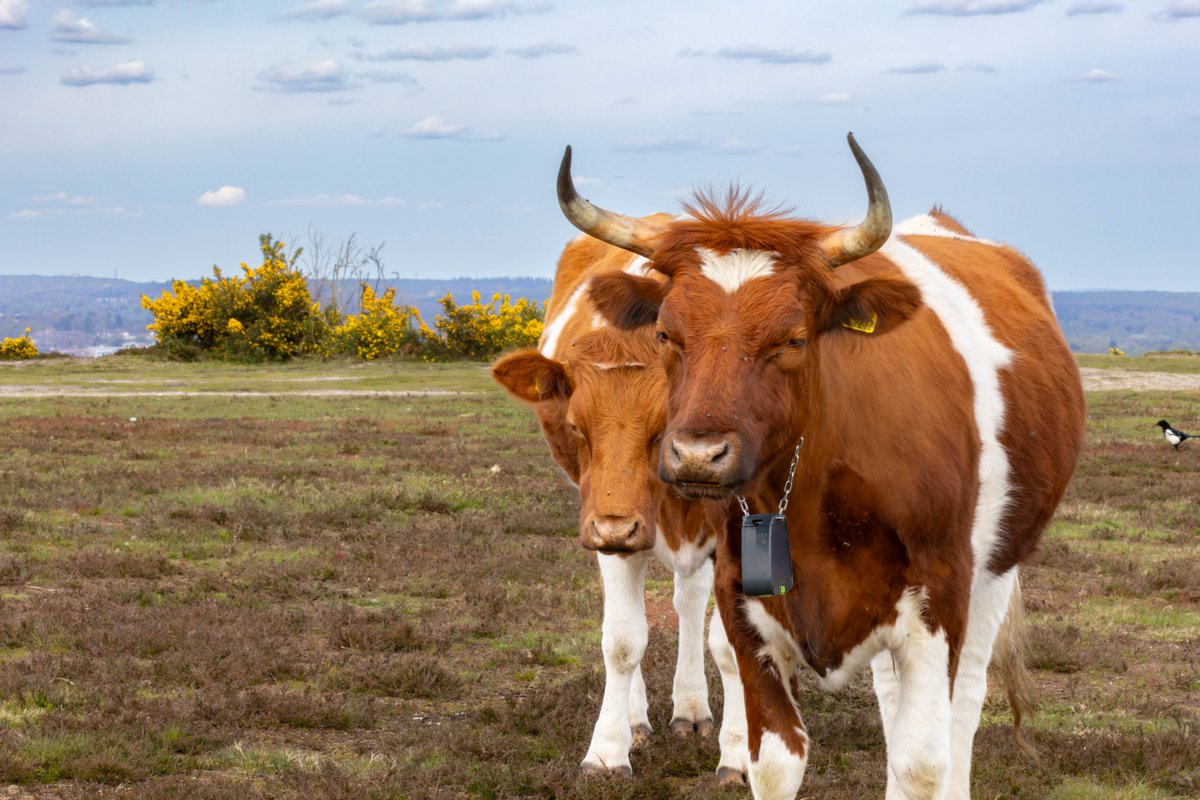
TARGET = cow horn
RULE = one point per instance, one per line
(850, 244)
(628, 233)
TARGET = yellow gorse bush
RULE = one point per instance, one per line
(380, 329)
(482, 330)
(267, 312)
(18, 349)
(264, 313)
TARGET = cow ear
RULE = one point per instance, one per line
(627, 301)
(530, 376)
(874, 306)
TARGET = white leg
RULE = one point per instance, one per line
(919, 736)
(735, 751)
(639, 709)
(623, 640)
(689, 694)
(887, 690)
(989, 602)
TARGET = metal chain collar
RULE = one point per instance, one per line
(787, 487)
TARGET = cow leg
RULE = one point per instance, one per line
(690, 691)
(913, 686)
(735, 754)
(623, 640)
(989, 603)
(639, 709)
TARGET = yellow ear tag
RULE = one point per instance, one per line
(861, 326)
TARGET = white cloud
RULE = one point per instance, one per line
(922, 68)
(763, 55)
(66, 27)
(737, 147)
(61, 198)
(339, 200)
(544, 49)
(1093, 7)
(402, 12)
(387, 76)
(319, 9)
(65, 204)
(222, 198)
(125, 73)
(112, 3)
(12, 14)
(1179, 9)
(663, 144)
(1096, 76)
(976, 66)
(432, 204)
(435, 127)
(972, 8)
(12, 70)
(424, 52)
(324, 76)
(836, 99)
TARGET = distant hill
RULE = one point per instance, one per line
(92, 316)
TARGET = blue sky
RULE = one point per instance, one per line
(155, 138)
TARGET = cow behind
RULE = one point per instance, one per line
(941, 417)
(600, 397)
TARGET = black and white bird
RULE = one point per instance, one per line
(1173, 437)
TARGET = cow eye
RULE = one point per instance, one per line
(797, 343)
(662, 337)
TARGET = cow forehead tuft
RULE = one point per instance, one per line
(733, 269)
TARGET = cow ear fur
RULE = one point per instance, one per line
(885, 302)
(627, 301)
(530, 376)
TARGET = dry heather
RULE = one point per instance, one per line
(337, 597)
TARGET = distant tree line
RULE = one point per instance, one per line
(269, 313)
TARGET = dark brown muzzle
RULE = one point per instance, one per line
(701, 464)
(610, 534)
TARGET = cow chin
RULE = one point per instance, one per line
(689, 490)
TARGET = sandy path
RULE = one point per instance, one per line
(1095, 380)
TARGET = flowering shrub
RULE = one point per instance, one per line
(483, 330)
(18, 349)
(380, 329)
(268, 313)
(265, 313)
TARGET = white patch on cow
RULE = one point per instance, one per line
(909, 609)
(553, 331)
(598, 320)
(989, 603)
(735, 267)
(623, 637)
(639, 266)
(777, 772)
(734, 738)
(985, 356)
(926, 225)
(779, 646)
(604, 367)
(689, 693)
(690, 556)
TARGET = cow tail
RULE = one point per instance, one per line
(1008, 656)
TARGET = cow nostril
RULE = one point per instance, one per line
(721, 452)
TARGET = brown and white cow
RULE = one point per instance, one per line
(941, 416)
(600, 396)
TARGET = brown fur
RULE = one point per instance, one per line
(887, 484)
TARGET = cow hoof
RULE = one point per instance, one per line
(641, 735)
(622, 771)
(685, 727)
(728, 776)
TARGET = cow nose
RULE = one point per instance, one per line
(698, 458)
(612, 534)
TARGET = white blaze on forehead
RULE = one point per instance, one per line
(985, 356)
(735, 267)
(553, 330)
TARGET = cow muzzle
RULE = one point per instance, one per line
(702, 465)
(612, 534)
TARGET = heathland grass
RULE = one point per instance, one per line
(297, 594)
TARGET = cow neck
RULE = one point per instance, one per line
(787, 486)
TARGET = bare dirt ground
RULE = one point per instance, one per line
(1099, 380)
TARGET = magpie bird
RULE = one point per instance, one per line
(1173, 437)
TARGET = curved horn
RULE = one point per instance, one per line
(628, 233)
(850, 244)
